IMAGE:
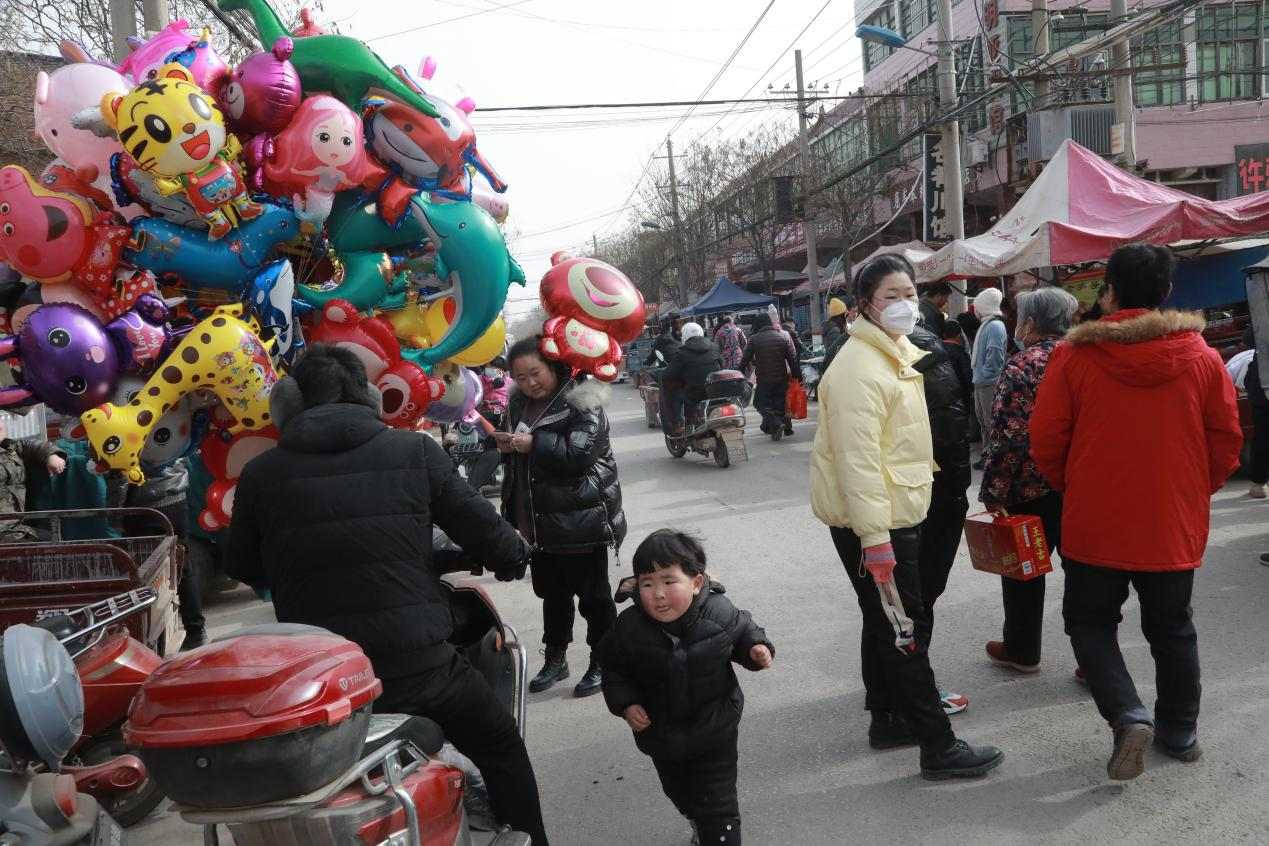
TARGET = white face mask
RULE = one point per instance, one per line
(899, 318)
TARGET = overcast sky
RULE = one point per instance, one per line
(571, 172)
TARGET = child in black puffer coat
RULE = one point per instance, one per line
(667, 672)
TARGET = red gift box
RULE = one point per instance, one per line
(1011, 545)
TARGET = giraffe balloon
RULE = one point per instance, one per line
(223, 354)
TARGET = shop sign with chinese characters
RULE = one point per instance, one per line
(1252, 164)
(932, 182)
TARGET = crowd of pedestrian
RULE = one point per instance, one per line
(1133, 390)
(1136, 391)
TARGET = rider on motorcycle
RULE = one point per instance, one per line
(336, 521)
(689, 368)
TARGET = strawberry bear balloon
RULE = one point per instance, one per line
(593, 309)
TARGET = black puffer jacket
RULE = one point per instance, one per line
(337, 522)
(575, 498)
(945, 399)
(772, 355)
(694, 361)
(681, 673)
(665, 344)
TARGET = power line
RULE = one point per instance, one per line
(764, 74)
(725, 66)
(447, 20)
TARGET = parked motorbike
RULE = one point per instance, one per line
(477, 462)
(303, 760)
(713, 427)
(112, 665)
(42, 717)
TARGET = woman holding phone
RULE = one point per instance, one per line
(561, 492)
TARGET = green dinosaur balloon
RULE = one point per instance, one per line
(338, 64)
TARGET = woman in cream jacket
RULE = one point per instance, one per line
(871, 474)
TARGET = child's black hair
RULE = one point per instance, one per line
(666, 548)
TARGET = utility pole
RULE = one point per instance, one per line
(1040, 26)
(678, 225)
(594, 244)
(808, 211)
(123, 25)
(953, 184)
(1121, 67)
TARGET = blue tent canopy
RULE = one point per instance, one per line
(727, 296)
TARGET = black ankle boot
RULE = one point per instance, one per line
(591, 681)
(555, 669)
(195, 636)
(889, 731)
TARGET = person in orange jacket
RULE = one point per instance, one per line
(1136, 424)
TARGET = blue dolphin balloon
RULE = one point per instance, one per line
(471, 256)
(170, 250)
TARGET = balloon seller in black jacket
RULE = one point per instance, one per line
(667, 673)
(561, 492)
(337, 523)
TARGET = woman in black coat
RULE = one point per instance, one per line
(561, 492)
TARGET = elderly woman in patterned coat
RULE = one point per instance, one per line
(1010, 478)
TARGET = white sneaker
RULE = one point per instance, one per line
(1259, 492)
(953, 703)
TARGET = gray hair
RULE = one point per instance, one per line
(1051, 308)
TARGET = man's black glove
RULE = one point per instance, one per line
(515, 572)
(512, 574)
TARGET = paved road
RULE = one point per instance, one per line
(807, 775)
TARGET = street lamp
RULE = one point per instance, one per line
(648, 224)
(888, 38)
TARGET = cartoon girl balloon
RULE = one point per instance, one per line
(594, 309)
(319, 154)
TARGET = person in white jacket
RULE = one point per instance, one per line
(871, 474)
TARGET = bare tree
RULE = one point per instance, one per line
(39, 26)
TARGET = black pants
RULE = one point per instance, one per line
(897, 677)
(704, 790)
(1259, 469)
(1024, 601)
(768, 399)
(189, 591)
(557, 578)
(1092, 608)
(461, 702)
(941, 537)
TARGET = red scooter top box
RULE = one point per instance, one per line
(1011, 545)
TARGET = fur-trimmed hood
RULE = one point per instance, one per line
(590, 395)
(1142, 348)
(1139, 326)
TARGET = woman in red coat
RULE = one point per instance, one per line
(1136, 424)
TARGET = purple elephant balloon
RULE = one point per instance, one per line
(69, 360)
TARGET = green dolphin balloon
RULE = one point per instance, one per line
(338, 64)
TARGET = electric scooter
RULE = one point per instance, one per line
(713, 427)
(111, 665)
(269, 734)
(42, 718)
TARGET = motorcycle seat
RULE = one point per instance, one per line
(386, 728)
(59, 625)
